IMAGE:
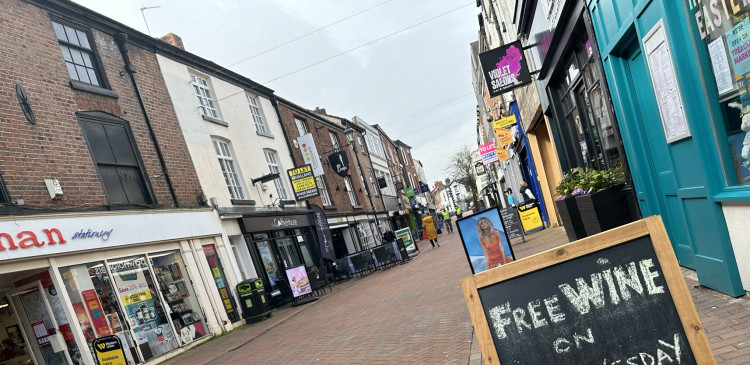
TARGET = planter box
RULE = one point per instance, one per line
(571, 219)
(604, 210)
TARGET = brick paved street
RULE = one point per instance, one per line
(415, 314)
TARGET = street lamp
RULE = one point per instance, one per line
(349, 132)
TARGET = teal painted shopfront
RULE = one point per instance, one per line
(679, 93)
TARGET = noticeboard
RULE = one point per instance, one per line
(617, 297)
(531, 219)
(404, 235)
(510, 222)
(303, 182)
(108, 351)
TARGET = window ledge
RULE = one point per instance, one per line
(93, 89)
(357, 206)
(268, 135)
(215, 120)
(733, 194)
(243, 202)
(330, 207)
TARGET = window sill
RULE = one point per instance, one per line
(243, 202)
(265, 135)
(330, 207)
(93, 89)
(357, 206)
(215, 120)
(733, 194)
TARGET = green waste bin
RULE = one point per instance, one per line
(254, 301)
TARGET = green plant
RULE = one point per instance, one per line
(568, 183)
(592, 181)
(583, 181)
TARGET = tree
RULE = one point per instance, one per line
(461, 170)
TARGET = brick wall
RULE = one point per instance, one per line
(55, 147)
(340, 198)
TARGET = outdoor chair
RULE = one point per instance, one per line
(314, 284)
(393, 259)
(324, 278)
(342, 270)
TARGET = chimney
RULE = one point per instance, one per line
(174, 40)
(320, 110)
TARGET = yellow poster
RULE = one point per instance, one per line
(504, 122)
(502, 154)
(503, 137)
(136, 297)
(216, 272)
(223, 292)
(530, 219)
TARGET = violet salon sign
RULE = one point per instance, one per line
(505, 68)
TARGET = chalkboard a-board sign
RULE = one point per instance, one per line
(617, 297)
(511, 223)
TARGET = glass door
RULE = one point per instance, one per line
(41, 329)
(270, 263)
(143, 306)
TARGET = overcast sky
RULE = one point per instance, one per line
(384, 82)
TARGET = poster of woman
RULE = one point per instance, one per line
(486, 244)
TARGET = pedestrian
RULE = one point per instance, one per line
(492, 244)
(440, 224)
(511, 199)
(428, 225)
(447, 221)
(526, 193)
(459, 212)
(389, 236)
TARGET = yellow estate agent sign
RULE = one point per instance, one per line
(530, 217)
(303, 182)
(503, 137)
(504, 122)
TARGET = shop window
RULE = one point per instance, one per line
(726, 54)
(178, 293)
(270, 265)
(118, 162)
(97, 306)
(4, 198)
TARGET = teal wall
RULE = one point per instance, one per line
(679, 181)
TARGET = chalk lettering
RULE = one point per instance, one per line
(629, 281)
(498, 322)
(536, 319)
(585, 294)
(553, 309)
(518, 316)
(649, 276)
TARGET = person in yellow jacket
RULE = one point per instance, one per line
(428, 225)
(447, 221)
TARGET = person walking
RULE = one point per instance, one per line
(526, 193)
(447, 221)
(459, 212)
(440, 223)
(428, 225)
(509, 196)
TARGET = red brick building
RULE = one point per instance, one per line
(99, 196)
(349, 201)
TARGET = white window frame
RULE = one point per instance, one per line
(373, 182)
(350, 190)
(361, 144)
(365, 235)
(261, 127)
(272, 159)
(323, 189)
(334, 141)
(403, 155)
(301, 126)
(202, 90)
(232, 175)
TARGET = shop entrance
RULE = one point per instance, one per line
(37, 330)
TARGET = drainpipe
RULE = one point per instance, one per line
(122, 44)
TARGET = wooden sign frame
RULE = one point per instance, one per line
(651, 227)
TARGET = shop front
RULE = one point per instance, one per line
(680, 70)
(68, 280)
(277, 243)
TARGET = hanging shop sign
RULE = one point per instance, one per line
(399, 186)
(310, 153)
(488, 153)
(502, 154)
(323, 231)
(503, 135)
(506, 122)
(303, 182)
(382, 183)
(424, 188)
(339, 163)
(108, 351)
(589, 302)
(505, 68)
(410, 192)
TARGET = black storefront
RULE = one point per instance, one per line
(277, 243)
(572, 86)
